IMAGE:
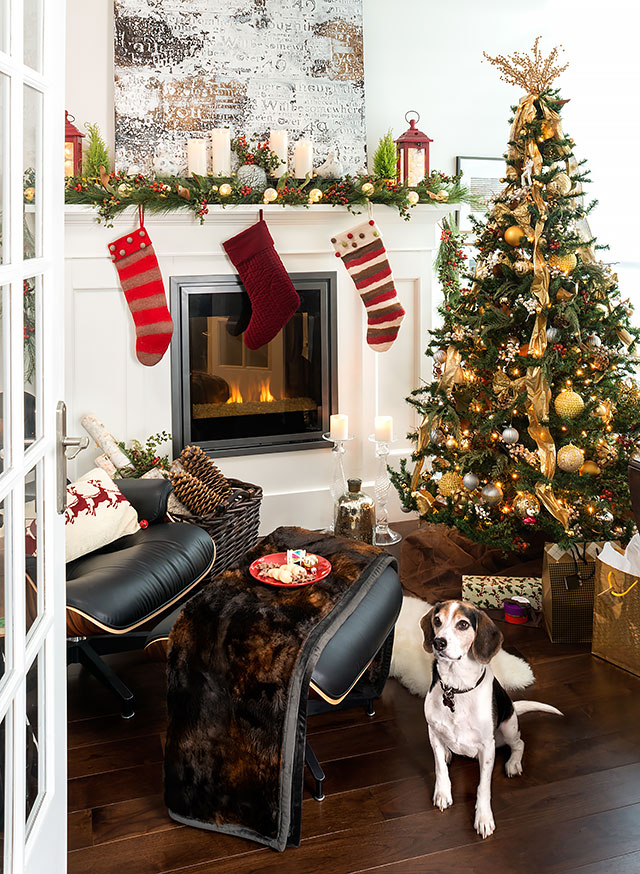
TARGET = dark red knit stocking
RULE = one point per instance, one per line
(273, 298)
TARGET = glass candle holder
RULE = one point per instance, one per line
(385, 536)
(339, 480)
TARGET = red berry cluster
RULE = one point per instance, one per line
(28, 332)
(202, 212)
(554, 245)
(246, 190)
(607, 495)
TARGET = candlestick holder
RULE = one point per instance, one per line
(385, 536)
(339, 481)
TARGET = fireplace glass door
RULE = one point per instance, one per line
(234, 400)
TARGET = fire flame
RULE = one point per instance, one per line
(265, 392)
(236, 396)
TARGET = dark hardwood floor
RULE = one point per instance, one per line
(576, 809)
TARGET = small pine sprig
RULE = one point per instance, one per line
(144, 456)
(96, 154)
(385, 158)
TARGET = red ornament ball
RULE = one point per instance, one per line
(350, 236)
(371, 222)
(337, 254)
(144, 523)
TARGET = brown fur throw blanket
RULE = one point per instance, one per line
(240, 659)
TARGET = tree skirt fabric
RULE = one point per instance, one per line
(434, 558)
(240, 660)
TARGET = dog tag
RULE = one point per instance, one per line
(572, 582)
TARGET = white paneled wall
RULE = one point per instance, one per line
(105, 378)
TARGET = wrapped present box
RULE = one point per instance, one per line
(493, 591)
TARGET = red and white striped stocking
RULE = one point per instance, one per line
(135, 260)
(365, 257)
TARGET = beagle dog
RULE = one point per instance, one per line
(467, 710)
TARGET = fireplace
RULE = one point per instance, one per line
(232, 400)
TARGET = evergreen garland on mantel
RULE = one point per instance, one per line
(112, 193)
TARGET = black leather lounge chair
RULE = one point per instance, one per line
(117, 593)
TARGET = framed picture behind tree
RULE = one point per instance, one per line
(482, 177)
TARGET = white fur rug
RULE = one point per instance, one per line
(411, 665)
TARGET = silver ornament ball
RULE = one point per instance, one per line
(510, 435)
(436, 436)
(439, 356)
(470, 481)
(594, 341)
(605, 517)
(552, 334)
(492, 494)
(252, 176)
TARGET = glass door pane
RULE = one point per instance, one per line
(32, 164)
(4, 166)
(33, 34)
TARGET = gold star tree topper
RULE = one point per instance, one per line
(532, 72)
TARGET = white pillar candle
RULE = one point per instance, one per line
(197, 157)
(221, 149)
(339, 427)
(383, 429)
(302, 158)
(279, 143)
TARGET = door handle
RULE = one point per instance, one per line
(64, 443)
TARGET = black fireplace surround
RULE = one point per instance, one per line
(231, 400)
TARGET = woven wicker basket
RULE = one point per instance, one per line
(235, 530)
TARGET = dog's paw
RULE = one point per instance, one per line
(484, 824)
(442, 798)
(513, 767)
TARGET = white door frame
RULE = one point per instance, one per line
(38, 844)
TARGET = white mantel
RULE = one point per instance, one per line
(104, 377)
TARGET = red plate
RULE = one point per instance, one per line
(323, 570)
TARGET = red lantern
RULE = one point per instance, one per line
(72, 147)
(413, 153)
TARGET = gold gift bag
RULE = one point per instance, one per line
(568, 577)
(616, 618)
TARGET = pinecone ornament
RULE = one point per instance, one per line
(197, 498)
(252, 176)
(196, 462)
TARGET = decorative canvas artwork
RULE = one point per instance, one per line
(183, 67)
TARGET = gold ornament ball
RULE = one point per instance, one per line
(514, 235)
(368, 188)
(449, 483)
(522, 268)
(590, 468)
(561, 184)
(269, 195)
(526, 504)
(570, 458)
(451, 443)
(315, 195)
(569, 404)
(413, 197)
(492, 494)
(566, 263)
(224, 190)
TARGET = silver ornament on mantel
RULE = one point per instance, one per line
(470, 481)
(440, 356)
(437, 436)
(510, 435)
(492, 494)
(252, 176)
(552, 334)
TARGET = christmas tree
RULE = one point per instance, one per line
(532, 416)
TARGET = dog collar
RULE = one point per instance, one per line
(448, 692)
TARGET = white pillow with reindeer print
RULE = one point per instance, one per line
(97, 513)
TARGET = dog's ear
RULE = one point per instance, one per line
(488, 639)
(426, 624)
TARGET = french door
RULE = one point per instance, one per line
(32, 590)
